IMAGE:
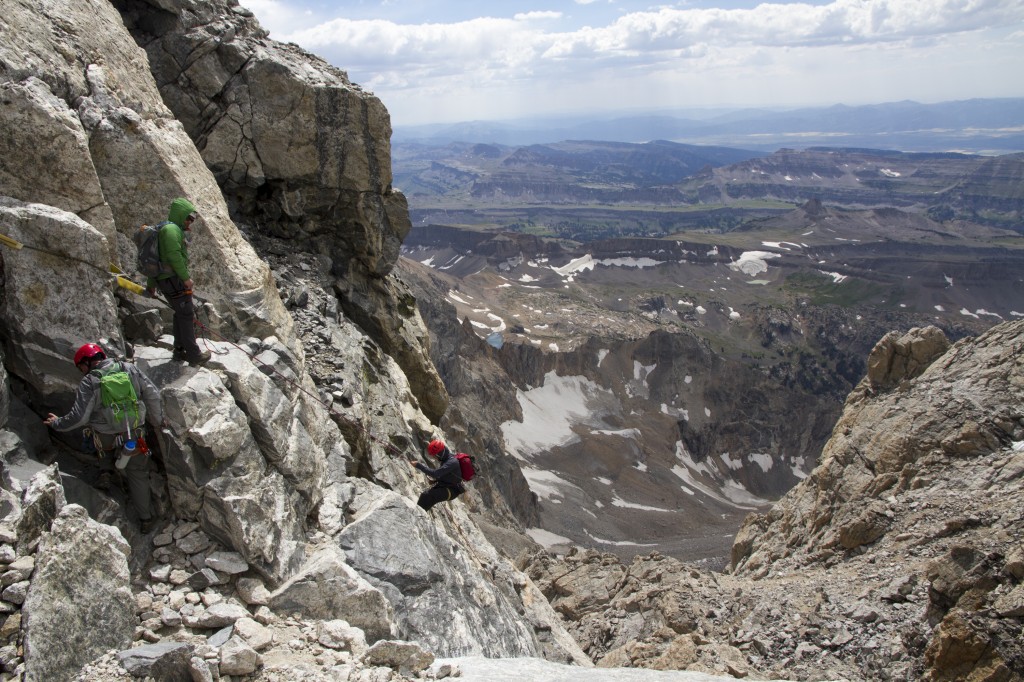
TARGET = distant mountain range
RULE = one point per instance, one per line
(986, 126)
(572, 172)
(592, 190)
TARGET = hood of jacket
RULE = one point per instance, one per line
(180, 209)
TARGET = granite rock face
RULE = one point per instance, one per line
(961, 404)
(328, 586)
(440, 598)
(43, 320)
(80, 592)
(93, 138)
(301, 154)
(897, 358)
(281, 441)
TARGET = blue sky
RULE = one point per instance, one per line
(435, 61)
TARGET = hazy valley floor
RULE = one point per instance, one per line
(706, 545)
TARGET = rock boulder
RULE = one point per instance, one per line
(80, 593)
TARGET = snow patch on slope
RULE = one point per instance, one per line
(550, 411)
(752, 262)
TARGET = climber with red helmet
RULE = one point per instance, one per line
(114, 400)
(447, 477)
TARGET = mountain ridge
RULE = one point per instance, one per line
(971, 125)
(669, 187)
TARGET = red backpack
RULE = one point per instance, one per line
(466, 463)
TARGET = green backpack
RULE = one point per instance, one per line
(118, 395)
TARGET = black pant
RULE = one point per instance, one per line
(173, 290)
(136, 473)
(440, 492)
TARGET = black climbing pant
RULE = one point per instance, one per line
(136, 473)
(184, 315)
(441, 492)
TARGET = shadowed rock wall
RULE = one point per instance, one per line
(301, 154)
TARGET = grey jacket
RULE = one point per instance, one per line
(88, 407)
(450, 471)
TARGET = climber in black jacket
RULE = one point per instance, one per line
(447, 477)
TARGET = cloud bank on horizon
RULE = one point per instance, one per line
(434, 61)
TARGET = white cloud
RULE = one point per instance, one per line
(530, 16)
(871, 50)
(279, 15)
(667, 32)
(421, 50)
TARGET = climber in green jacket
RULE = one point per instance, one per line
(176, 281)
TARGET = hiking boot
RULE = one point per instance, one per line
(179, 354)
(200, 359)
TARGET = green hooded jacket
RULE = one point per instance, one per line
(173, 249)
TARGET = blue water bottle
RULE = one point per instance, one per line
(126, 454)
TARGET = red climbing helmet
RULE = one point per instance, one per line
(435, 448)
(88, 352)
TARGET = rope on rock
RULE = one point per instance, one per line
(13, 243)
(330, 409)
(120, 278)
